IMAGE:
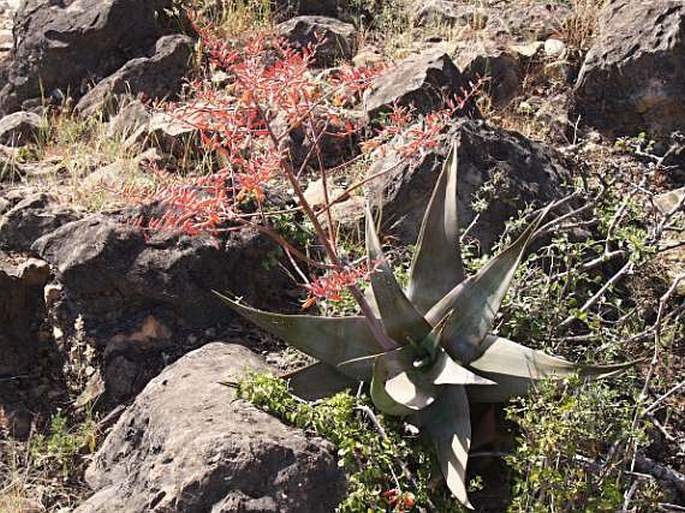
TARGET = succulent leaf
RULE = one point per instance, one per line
(507, 388)
(329, 339)
(317, 381)
(504, 356)
(446, 371)
(380, 397)
(515, 368)
(437, 266)
(402, 322)
(448, 423)
(477, 300)
(408, 389)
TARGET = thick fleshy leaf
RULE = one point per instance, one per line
(507, 388)
(317, 381)
(329, 339)
(503, 356)
(448, 423)
(380, 397)
(446, 371)
(437, 266)
(418, 388)
(515, 369)
(412, 392)
(476, 301)
(402, 322)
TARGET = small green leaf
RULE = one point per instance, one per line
(329, 339)
(448, 423)
(402, 322)
(437, 267)
(476, 301)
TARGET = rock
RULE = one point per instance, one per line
(423, 81)
(555, 48)
(633, 77)
(60, 46)
(334, 40)
(172, 135)
(130, 123)
(489, 61)
(110, 270)
(306, 7)
(20, 128)
(511, 22)
(448, 13)
(523, 21)
(669, 201)
(33, 271)
(52, 293)
(157, 76)
(526, 173)
(186, 444)
(10, 171)
(31, 218)
(20, 310)
(138, 297)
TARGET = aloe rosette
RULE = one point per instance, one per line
(444, 356)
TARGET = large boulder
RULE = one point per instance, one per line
(522, 172)
(333, 39)
(423, 81)
(112, 272)
(34, 216)
(512, 21)
(633, 77)
(186, 445)
(156, 76)
(20, 128)
(60, 46)
(24, 347)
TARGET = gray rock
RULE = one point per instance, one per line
(449, 12)
(306, 7)
(333, 39)
(21, 313)
(529, 173)
(508, 21)
(20, 128)
(633, 77)
(423, 81)
(186, 445)
(171, 135)
(155, 77)
(502, 70)
(31, 218)
(60, 46)
(130, 123)
(112, 272)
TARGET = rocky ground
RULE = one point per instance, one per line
(108, 322)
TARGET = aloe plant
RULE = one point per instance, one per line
(443, 356)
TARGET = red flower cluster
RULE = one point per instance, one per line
(271, 91)
(334, 283)
(398, 500)
(418, 134)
